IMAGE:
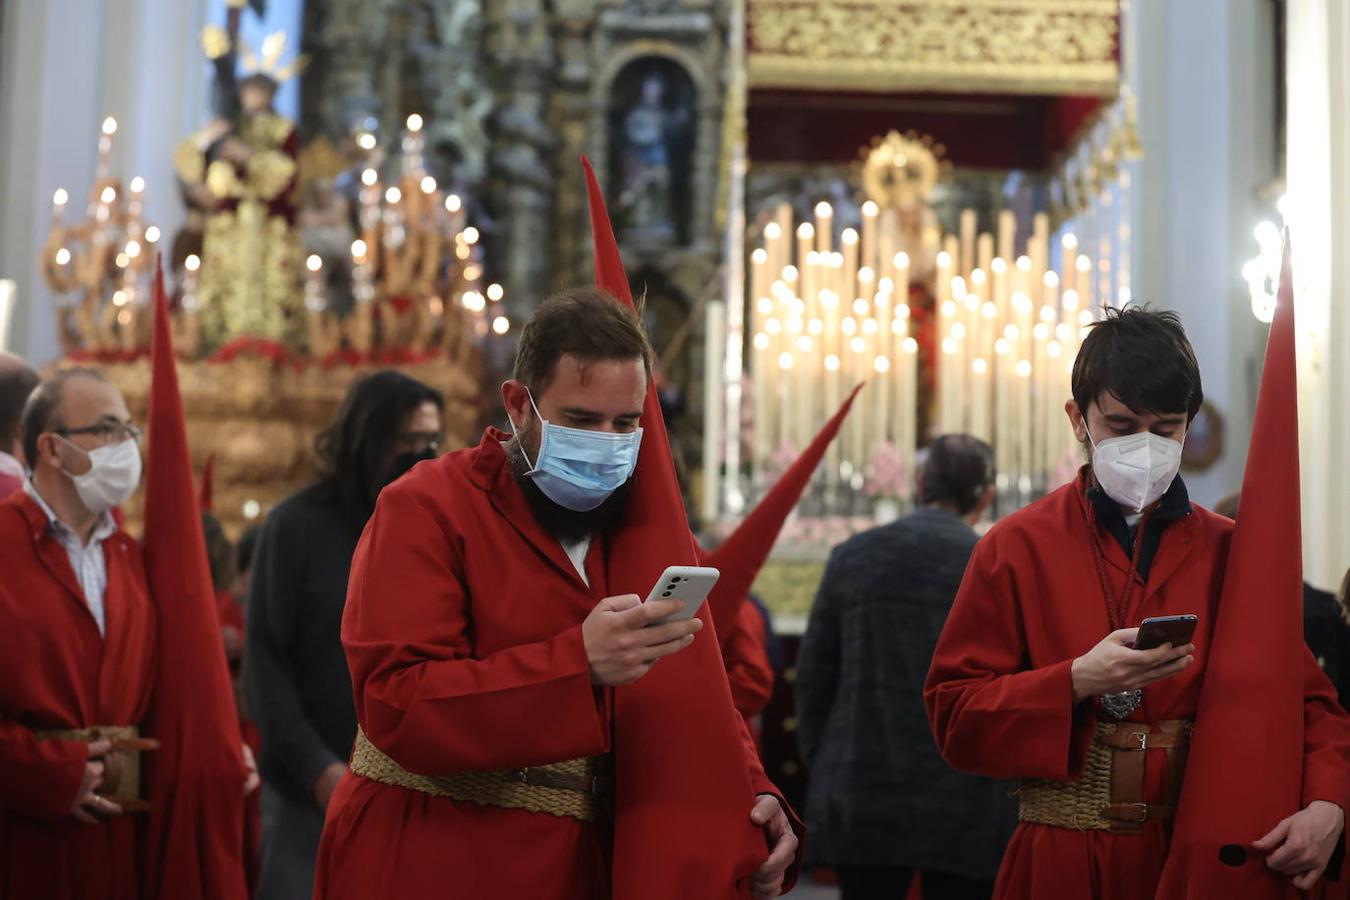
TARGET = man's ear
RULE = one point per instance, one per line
(1077, 420)
(516, 399)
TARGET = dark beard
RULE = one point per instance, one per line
(567, 525)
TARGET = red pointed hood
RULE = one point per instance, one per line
(196, 778)
(743, 553)
(1246, 764)
(680, 763)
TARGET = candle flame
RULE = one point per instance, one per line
(109, 126)
(1024, 263)
(806, 231)
(1053, 350)
(1048, 314)
(428, 185)
(764, 305)
(1070, 299)
(824, 210)
(849, 237)
(137, 184)
(761, 341)
(1040, 331)
(861, 307)
(369, 177)
(785, 360)
(60, 198)
(1069, 241)
(901, 260)
(773, 231)
(815, 327)
(366, 141)
(62, 256)
(314, 263)
(414, 123)
(1051, 279)
(108, 195)
(849, 326)
(1084, 264)
(979, 366)
(881, 364)
(1010, 332)
(866, 275)
(869, 327)
(495, 292)
(470, 235)
(453, 203)
(978, 277)
(790, 274)
(870, 209)
(358, 249)
(857, 344)
(944, 260)
(804, 344)
(192, 263)
(958, 331)
(122, 260)
(773, 326)
(948, 309)
(501, 325)
(948, 346)
(988, 310)
(760, 256)
(152, 234)
(999, 265)
(133, 249)
(1001, 347)
(393, 195)
(119, 298)
(910, 345)
(832, 363)
(1023, 368)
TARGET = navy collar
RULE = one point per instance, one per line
(1174, 505)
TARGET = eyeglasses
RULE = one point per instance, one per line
(110, 431)
(430, 440)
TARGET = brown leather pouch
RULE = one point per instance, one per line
(121, 764)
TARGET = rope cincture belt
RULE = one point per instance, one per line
(572, 788)
(1109, 794)
(121, 765)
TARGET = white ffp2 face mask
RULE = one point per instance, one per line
(1137, 469)
(114, 473)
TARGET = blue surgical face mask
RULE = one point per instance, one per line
(579, 469)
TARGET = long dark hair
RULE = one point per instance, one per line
(355, 451)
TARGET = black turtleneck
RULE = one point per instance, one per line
(1173, 505)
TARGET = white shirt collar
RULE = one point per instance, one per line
(103, 528)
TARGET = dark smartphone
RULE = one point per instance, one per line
(1174, 630)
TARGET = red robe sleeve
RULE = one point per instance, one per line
(747, 661)
(421, 696)
(39, 778)
(1326, 739)
(990, 714)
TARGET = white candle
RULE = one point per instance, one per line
(7, 290)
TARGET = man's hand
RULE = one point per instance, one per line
(622, 648)
(89, 805)
(768, 879)
(1114, 666)
(251, 777)
(327, 783)
(1302, 844)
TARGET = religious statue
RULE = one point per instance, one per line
(242, 172)
(647, 173)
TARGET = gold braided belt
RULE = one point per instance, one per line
(121, 764)
(1109, 794)
(570, 788)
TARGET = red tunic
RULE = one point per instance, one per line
(58, 672)
(746, 652)
(1000, 695)
(463, 633)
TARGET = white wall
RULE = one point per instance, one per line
(1204, 83)
(64, 65)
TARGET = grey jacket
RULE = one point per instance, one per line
(879, 793)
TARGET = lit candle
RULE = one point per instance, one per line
(824, 227)
(714, 356)
(968, 224)
(1068, 258)
(869, 234)
(1007, 234)
(6, 311)
(980, 426)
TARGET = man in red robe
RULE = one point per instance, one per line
(1035, 676)
(17, 381)
(77, 652)
(488, 653)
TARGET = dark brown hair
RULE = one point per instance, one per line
(958, 470)
(584, 322)
(1142, 357)
(16, 385)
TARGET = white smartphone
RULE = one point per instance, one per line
(688, 584)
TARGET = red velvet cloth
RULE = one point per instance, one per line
(1000, 695)
(196, 779)
(56, 673)
(1250, 729)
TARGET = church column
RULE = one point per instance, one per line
(521, 51)
(1318, 179)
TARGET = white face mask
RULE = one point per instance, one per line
(1137, 469)
(114, 473)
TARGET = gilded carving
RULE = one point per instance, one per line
(1021, 46)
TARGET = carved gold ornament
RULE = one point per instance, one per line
(1008, 46)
